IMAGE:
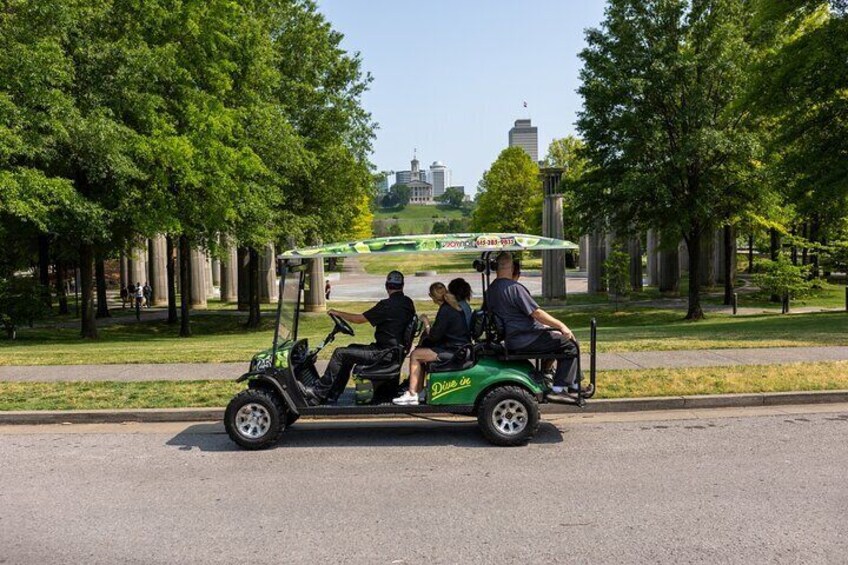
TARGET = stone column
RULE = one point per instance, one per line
(216, 271)
(198, 279)
(157, 269)
(229, 272)
(634, 248)
(595, 263)
(683, 256)
(137, 265)
(652, 253)
(314, 300)
(267, 275)
(207, 272)
(584, 253)
(553, 262)
(668, 268)
(707, 259)
(242, 264)
(123, 269)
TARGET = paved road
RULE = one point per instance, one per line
(606, 361)
(764, 486)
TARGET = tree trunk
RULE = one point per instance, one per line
(751, 253)
(170, 259)
(61, 289)
(253, 288)
(185, 286)
(44, 268)
(793, 254)
(729, 250)
(814, 258)
(805, 234)
(774, 244)
(88, 324)
(694, 244)
(100, 276)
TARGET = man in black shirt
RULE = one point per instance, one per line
(390, 318)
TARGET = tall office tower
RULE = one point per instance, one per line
(440, 177)
(403, 177)
(526, 136)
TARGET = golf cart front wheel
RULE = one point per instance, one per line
(255, 419)
(508, 416)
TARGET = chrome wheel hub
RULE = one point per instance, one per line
(253, 421)
(509, 417)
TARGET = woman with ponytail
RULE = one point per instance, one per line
(442, 339)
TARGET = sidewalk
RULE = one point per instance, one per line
(605, 362)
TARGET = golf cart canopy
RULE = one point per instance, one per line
(434, 243)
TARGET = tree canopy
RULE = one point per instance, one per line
(510, 195)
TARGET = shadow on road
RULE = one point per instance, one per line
(211, 437)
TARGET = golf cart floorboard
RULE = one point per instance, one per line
(346, 405)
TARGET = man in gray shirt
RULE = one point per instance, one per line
(527, 327)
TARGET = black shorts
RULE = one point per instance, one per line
(550, 342)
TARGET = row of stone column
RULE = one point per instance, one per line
(147, 263)
(665, 262)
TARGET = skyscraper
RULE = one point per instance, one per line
(440, 177)
(526, 136)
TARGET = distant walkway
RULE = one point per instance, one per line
(606, 361)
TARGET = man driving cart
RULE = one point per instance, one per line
(390, 318)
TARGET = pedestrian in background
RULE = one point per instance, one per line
(327, 289)
(148, 294)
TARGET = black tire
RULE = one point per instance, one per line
(265, 429)
(515, 401)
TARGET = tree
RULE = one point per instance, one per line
(510, 195)
(568, 154)
(667, 139)
(401, 195)
(452, 197)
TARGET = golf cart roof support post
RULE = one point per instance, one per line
(282, 266)
(300, 283)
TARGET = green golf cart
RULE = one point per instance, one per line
(501, 388)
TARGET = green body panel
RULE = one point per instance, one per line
(463, 387)
(262, 360)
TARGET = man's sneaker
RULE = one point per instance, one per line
(406, 399)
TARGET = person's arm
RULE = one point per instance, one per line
(544, 318)
(352, 318)
(437, 329)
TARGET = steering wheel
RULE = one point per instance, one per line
(341, 324)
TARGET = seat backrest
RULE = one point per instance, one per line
(478, 324)
(410, 333)
(487, 327)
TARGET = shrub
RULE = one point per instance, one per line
(782, 278)
(617, 275)
(20, 303)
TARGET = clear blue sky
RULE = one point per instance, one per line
(450, 76)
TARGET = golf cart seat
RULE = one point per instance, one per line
(493, 330)
(389, 365)
(463, 358)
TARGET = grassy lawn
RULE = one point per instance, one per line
(442, 262)
(830, 296)
(415, 219)
(611, 384)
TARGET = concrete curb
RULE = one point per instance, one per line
(596, 406)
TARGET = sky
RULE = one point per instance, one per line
(450, 77)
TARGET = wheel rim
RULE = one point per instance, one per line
(253, 421)
(510, 417)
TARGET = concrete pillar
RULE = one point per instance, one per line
(707, 259)
(207, 272)
(634, 248)
(229, 272)
(314, 300)
(683, 256)
(137, 265)
(553, 262)
(584, 252)
(267, 275)
(157, 269)
(652, 253)
(216, 271)
(595, 262)
(668, 268)
(198, 279)
(242, 265)
(122, 262)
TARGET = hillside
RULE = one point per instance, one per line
(414, 219)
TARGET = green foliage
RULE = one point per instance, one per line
(452, 197)
(397, 197)
(782, 278)
(394, 229)
(20, 303)
(510, 195)
(568, 153)
(617, 275)
(452, 225)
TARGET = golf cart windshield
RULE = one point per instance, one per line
(290, 277)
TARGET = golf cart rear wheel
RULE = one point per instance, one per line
(508, 416)
(255, 418)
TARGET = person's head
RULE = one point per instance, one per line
(461, 289)
(439, 293)
(394, 282)
(504, 268)
(516, 269)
